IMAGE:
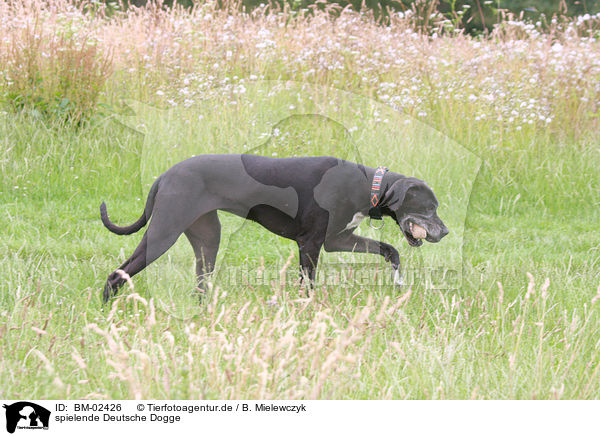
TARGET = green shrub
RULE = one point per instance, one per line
(52, 64)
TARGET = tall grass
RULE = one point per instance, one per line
(407, 346)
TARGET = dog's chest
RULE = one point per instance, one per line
(356, 220)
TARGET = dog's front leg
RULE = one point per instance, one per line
(309, 258)
(204, 236)
(350, 242)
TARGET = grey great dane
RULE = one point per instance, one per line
(315, 201)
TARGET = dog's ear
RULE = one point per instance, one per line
(395, 194)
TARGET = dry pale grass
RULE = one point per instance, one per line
(52, 60)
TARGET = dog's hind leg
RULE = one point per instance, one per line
(204, 236)
(128, 269)
(160, 236)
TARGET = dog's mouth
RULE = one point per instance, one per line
(415, 234)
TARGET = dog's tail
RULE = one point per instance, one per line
(141, 222)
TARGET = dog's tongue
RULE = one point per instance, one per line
(417, 231)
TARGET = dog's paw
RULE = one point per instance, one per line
(397, 278)
(200, 293)
(115, 280)
(108, 292)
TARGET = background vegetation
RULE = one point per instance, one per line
(524, 99)
(474, 16)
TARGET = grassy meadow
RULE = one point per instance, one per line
(504, 127)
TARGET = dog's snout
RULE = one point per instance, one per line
(438, 235)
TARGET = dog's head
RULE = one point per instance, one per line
(413, 205)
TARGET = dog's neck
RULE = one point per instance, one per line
(378, 190)
(388, 180)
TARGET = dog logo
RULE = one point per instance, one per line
(26, 415)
